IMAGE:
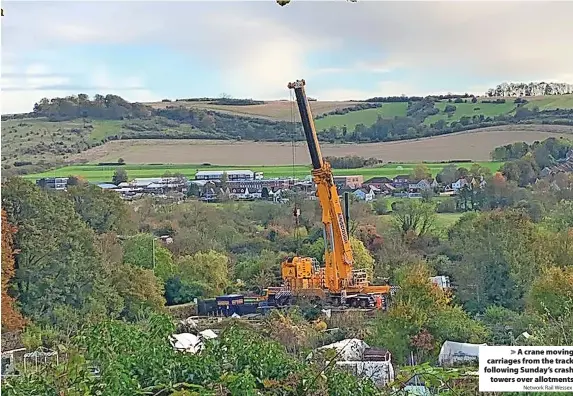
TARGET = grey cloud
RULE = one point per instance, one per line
(71, 88)
(491, 40)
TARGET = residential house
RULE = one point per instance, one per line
(351, 182)
(364, 194)
(421, 185)
(244, 193)
(478, 183)
(378, 182)
(401, 181)
(260, 184)
(545, 172)
(459, 184)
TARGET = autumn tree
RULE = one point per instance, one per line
(552, 292)
(11, 318)
(258, 270)
(76, 180)
(447, 175)
(144, 251)
(58, 268)
(414, 217)
(102, 210)
(420, 172)
(421, 317)
(141, 291)
(362, 257)
(208, 268)
(496, 256)
(119, 176)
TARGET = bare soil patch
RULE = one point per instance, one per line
(474, 145)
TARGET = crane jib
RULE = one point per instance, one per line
(342, 227)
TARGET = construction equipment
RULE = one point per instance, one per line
(337, 282)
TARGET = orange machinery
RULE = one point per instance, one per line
(337, 282)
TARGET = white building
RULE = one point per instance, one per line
(231, 175)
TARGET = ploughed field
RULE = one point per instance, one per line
(473, 145)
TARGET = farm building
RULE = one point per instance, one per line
(53, 183)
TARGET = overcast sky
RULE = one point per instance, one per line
(148, 51)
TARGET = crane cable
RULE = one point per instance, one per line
(296, 209)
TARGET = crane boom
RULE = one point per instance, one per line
(338, 281)
(339, 261)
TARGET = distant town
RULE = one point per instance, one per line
(247, 185)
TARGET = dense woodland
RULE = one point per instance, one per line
(80, 275)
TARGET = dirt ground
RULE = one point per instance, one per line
(475, 145)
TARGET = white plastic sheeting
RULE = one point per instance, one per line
(191, 343)
(351, 351)
(458, 352)
(208, 334)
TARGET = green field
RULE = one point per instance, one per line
(443, 222)
(95, 173)
(470, 109)
(367, 117)
(390, 110)
(552, 102)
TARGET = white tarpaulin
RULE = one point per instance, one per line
(208, 334)
(349, 349)
(190, 342)
(351, 352)
(458, 352)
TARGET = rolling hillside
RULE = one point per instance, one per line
(281, 110)
(60, 130)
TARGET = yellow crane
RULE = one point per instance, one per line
(337, 282)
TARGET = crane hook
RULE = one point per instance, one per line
(282, 3)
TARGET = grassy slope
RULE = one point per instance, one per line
(280, 110)
(96, 173)
(470, 109)
(366, 117)
(443, 222)
(21, 135)
(551, 102)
